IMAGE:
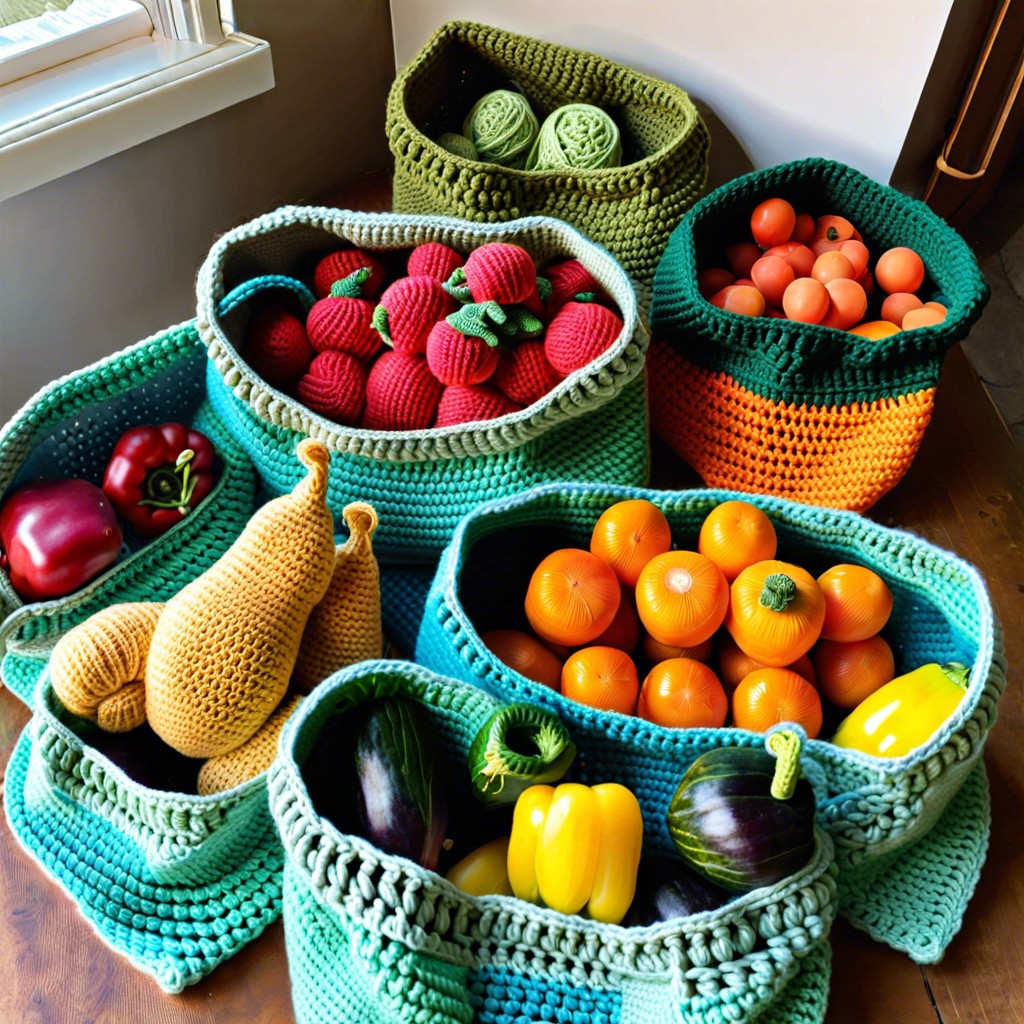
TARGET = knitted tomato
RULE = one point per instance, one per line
(401, 393)
(501, 272)
(334, 386)
(408, 310)
(579, 333)
(276, 344)
(472, 403)
(342, 321)
(457, 353)
(524, 373)
(343, 263)
(433, 259)
(567, 279)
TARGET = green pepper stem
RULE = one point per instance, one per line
(350, 287)
(778, 591)
(785, 745)
(958, 672)
(162, 478)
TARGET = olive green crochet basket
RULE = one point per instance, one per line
(174, 882)
(592, 425)
(69, 429)
(911, 833)
(630, 210)
(373, 938)
(772, 406)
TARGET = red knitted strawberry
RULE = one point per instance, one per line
(342, 321)
(408, 310)
(276, 344)
(567, 278)
(334, 386)
(501, 272)
(433, 259)
(579, 333)
(342, 263)
(401, 393)
(471, 403)
(524, 373)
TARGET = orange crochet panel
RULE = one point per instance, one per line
(839, 456)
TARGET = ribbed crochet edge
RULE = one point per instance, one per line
(173, 962)
(581, 392)
(748, 348)
(407, 139)
(332, 865)
(957, 742)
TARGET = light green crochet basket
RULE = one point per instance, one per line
(68, 429)
(175, 883)
(910, 833)
(631, 209)
(372, 938)
(592, 425)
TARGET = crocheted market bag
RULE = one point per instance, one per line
(374, 938)
(592, 425)
(175, 883)
(631, 210)
(69, 429)
(802, 411)
(911, 832)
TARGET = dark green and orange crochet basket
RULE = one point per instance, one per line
(796, 410)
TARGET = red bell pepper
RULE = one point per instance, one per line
(55, 536)
(157, 474)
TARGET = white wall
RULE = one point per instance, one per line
(96, 260)
(786, 79)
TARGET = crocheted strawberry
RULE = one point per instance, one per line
(401, 393)
(334, 386)
(342, 321)
(457, 355)
(524, 373)
(344, 262)
(578, 333)
(471, 403)
(433, 259)
(498, 271)
(408, 310)
(276, 344)
(567, 279)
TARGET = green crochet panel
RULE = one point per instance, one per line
(631, 210)
(789, 362)
(873, 808)
(372, 938)
(592, 425)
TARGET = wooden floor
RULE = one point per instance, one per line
(964, 492)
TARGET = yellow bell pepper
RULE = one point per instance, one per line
(905, 713)
(483, 871)
(576, 848)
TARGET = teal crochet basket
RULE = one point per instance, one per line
(910, 833)
(593, 425)
(68, 429)
(372, 938)
(175, 883)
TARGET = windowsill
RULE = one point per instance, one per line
(125, 95)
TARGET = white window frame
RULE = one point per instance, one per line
(63, 118)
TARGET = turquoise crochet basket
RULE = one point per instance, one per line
(592, 426)
(372, 938)
(910, 833)
(175, 883)
(68, 429)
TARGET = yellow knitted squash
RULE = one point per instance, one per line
(224, 648)
(345, 627)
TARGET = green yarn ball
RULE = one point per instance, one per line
(502, 126)
(576, 136)
(458, 145)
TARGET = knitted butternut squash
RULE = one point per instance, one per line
(225, 646)
(345, 627)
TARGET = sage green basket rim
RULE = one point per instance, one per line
(984, 677)
(285, 782)
(581, 392)
(675, 98)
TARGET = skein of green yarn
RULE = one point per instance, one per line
(502, 126)
(576, 136)
(458, 145)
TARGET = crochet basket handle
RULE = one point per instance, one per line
(242, 293)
